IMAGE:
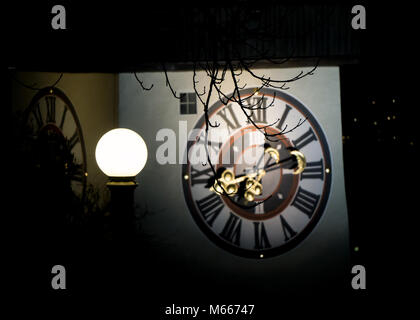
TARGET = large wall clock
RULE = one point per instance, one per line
(267, 204)
(55, 130)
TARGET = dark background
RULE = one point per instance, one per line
(379, 169)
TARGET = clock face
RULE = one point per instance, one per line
(58, 139)
(256, 201)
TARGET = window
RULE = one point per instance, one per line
(188, 103)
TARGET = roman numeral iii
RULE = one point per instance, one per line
(313, 170)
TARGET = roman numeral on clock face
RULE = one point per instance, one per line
(287, 229)
(210, 207)
(232, 121)
(50, 100)
(63, 118)
(78, 174)
(38, 116)
(304, 139)
(283, 118)
(313, 170)
(259, 114)
(305, 201)
(232, 230)
(200, 177)
(259, 209)
(73, 140)
(261, 239)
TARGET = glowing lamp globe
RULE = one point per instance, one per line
(121, 153)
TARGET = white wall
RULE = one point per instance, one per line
(320, 258)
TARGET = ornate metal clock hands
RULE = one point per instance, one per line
(301, 161)
(253, 187)
(297, 156)
(230, 185)
(261, 208)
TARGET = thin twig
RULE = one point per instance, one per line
(32, 87)
(141, 83)
(168, 83)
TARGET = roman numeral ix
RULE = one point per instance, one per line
(200, 177)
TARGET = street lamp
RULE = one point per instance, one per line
(121, 154)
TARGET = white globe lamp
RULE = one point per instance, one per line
(121, 153)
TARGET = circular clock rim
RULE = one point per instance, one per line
(299, 238)
(54, 91)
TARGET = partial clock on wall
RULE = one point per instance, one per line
(263, 196)
(57, 138)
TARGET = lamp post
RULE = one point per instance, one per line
(121, 154)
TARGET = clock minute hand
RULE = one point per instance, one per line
(273, 153)
(259, 161)
(259, 174)
(296, 155)
(276, 165)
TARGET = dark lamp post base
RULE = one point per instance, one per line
(122, 208)
(122, 179)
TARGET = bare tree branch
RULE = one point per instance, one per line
(141, 83)
(32, 87)
(168, 83)
(230, 31)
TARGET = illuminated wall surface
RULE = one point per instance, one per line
(320, 260)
